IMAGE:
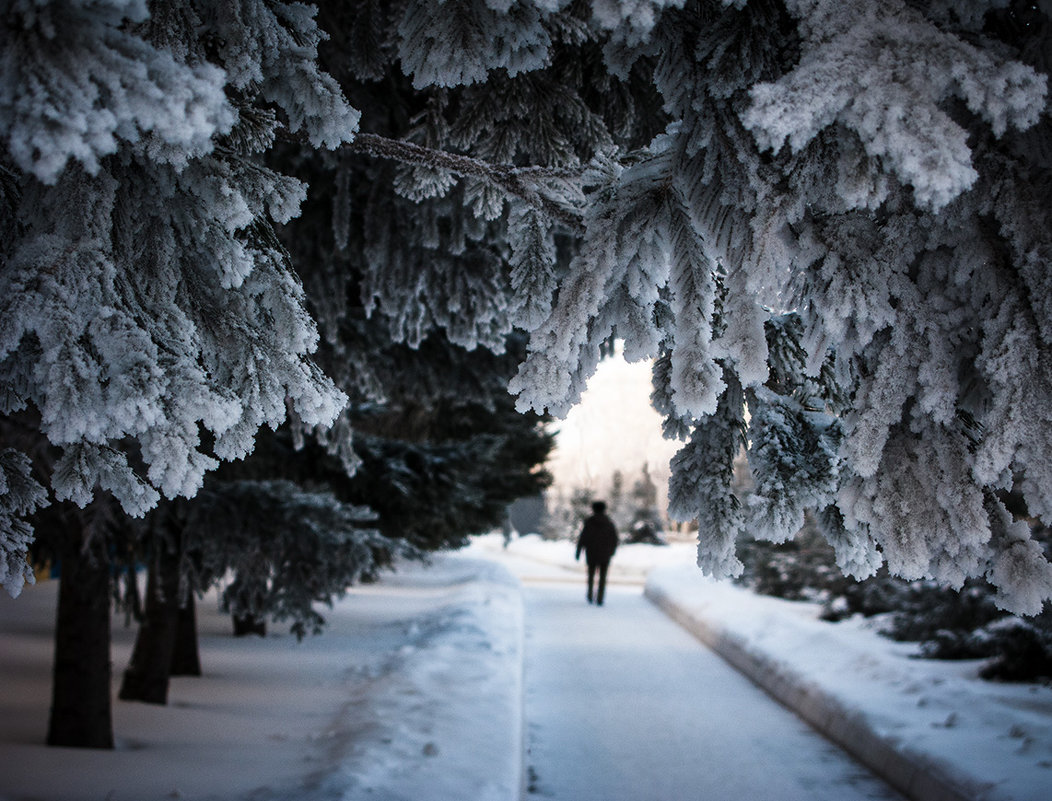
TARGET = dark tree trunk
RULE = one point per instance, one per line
(185, 658)
(146, 678)
(249, 624)
(80, 693)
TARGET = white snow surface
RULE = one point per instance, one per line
(994, 737)
(415, 691)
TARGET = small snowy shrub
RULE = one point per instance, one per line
(947, 623)
(928, 613)
(1023, 653)
(802, 569)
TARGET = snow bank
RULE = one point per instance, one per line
(413, 691)
(933, 728)
(445, 723)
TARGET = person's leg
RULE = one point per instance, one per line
(591, 578)
(602, 582)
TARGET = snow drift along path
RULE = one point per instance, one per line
(932, 727)
(622, 704)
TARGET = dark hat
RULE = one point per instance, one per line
(598, 507)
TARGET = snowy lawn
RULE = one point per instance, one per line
(413, 691)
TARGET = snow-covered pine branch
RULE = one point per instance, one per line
(909, 68)
(284, 548)
(880, 170)
(20, 495)
(700, 485)
(144, 298)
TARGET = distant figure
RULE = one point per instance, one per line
(599, 541)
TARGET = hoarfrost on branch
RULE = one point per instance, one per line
(835, 243)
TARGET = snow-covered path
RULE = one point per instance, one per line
(623, 704)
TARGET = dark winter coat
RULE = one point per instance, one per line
(598, 540)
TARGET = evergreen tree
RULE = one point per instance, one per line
(881, 170)
(615, 500)
(283, 532)
(309, 546)
(143, 294)
(287, 529)
(644, 499)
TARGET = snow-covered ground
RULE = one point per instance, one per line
(414, 691)
(992, 739)
(995, 738)
(623, 704)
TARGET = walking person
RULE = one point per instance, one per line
(598, 540)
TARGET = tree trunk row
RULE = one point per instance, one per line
(154, 653)
(166, 644)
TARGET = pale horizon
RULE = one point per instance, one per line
(613, 427)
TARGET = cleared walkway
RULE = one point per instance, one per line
(623, 705)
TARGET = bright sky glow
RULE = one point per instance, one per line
(613, 428)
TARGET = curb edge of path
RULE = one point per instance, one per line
(912, 774)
